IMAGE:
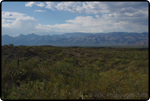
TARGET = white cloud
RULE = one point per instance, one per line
(40, 10)
(109, 16)
(41, 4)
(84, 7)
(20, 23)
(30, 4)
(70, 6)
(129, 9)
(50, 5)
(123, 11)
(106, 23)
(97, 16)
(89, 24)
(95, 7)
(12, 15)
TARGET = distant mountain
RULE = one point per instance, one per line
(6, 39)
(77, 38)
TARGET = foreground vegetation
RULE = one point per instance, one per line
(46, 72)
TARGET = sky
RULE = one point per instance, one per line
(49, 18)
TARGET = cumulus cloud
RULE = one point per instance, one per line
(50, 5)
(94, 7)
(106, 23)
(103, 7)
(121, 8)
(82, 7)
(20, 23)
(89, 24)
(40, 10)
(96, 16)
(134, 12)
(30, 4)
(41, 4)
(70, 6)
(12, 15)
(109, 16)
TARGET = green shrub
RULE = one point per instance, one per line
(11, 45)
(61, 54)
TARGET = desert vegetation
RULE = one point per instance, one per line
(46, 72)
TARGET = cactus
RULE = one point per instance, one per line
(18, 61)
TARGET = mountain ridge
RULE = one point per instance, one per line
(111, 38)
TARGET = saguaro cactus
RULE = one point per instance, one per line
(18, 61)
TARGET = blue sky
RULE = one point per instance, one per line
(48, 18)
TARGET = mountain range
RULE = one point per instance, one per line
(80, 39)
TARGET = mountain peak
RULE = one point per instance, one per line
(21, 35)
(32, 34)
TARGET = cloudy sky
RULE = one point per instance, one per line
(48, 18)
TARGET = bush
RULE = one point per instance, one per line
(11, 45)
